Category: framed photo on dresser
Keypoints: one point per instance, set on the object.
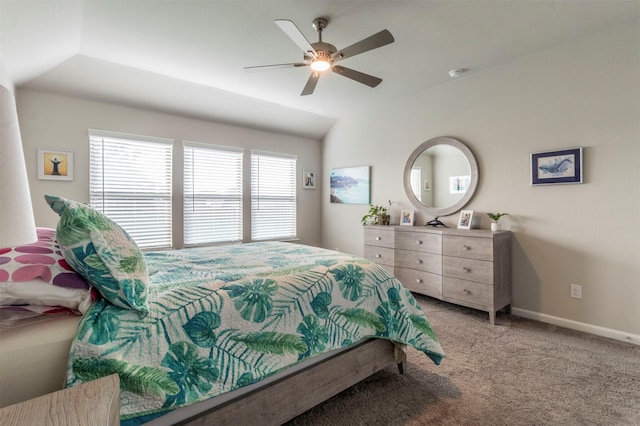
(406, 217)
(466, 219)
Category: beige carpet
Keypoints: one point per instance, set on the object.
(518, 372)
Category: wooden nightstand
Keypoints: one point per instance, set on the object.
(93, 403)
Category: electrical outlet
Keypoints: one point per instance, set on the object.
(576, 291)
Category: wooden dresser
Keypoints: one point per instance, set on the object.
(466, 267)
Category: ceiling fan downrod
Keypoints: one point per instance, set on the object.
(319, 24)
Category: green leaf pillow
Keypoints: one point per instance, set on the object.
(102, 252)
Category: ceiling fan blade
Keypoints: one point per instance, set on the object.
(296, 35)
(358, 76)
(274, 66)
(380, 39)
(311, 84)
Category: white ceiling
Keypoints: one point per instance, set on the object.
(187, 57)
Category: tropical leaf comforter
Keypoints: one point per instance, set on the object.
(225, 317)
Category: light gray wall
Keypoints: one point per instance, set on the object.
(584, 93)
(49, 120)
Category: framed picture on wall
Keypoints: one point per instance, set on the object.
(552, 167)
(308, 179)
(55, 164)
(466, 219)
(350, 185)
(406, 218)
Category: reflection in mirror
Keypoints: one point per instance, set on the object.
(441, 176)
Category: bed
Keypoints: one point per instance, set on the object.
(263, 330)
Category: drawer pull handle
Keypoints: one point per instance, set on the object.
(419, 261)
(465, 291)
(466, 269)
(418, 242)
(418, 280)
(378, 256)
(466, 247)
(378, 238)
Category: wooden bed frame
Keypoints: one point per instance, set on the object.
(289, 396)
(273, 402)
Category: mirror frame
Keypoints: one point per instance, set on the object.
(473, 184)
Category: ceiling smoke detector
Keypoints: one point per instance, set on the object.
(456, 73)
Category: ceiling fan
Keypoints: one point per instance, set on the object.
(321, 56)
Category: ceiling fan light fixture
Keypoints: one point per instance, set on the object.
(320, 65)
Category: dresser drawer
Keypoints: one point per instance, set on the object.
(467, 269)
(468, 247)
(419, 260)
(379, 255)
(431, 243)
(470, 292)
(421, 282)
(378, 236)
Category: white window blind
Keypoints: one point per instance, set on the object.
(130, 182)
(212, 194)
(273, 196)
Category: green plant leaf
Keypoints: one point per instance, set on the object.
(133, 378)
(272, 342)
(363, 318)
(200, 328)
(107, 325)
(422, 324)
(320, 304)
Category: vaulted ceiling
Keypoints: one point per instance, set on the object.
(187, 57)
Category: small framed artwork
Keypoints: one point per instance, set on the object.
(427, 185)
(308, 179)
(459, 184)
(552, 167)
(406, 218)
(466, 219)
(55, 164)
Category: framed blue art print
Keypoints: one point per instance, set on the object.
(552, 167)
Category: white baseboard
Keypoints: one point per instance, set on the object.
(579, 326)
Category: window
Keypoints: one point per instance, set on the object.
(273, 196)
(130, 181)
(416, 178)
(212, 194)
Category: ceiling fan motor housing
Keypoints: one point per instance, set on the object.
(324, 50)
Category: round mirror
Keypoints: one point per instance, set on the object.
(441, 176)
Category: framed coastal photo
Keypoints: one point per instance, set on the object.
(308, 179)
(406, 218)
(465, 220)
(55, 164)
(553, 167)
(350, 185)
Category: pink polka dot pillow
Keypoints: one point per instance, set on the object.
(37, 274)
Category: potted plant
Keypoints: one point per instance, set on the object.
(495, 217)
(377, 215)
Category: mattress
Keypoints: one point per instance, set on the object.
(33, 357)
